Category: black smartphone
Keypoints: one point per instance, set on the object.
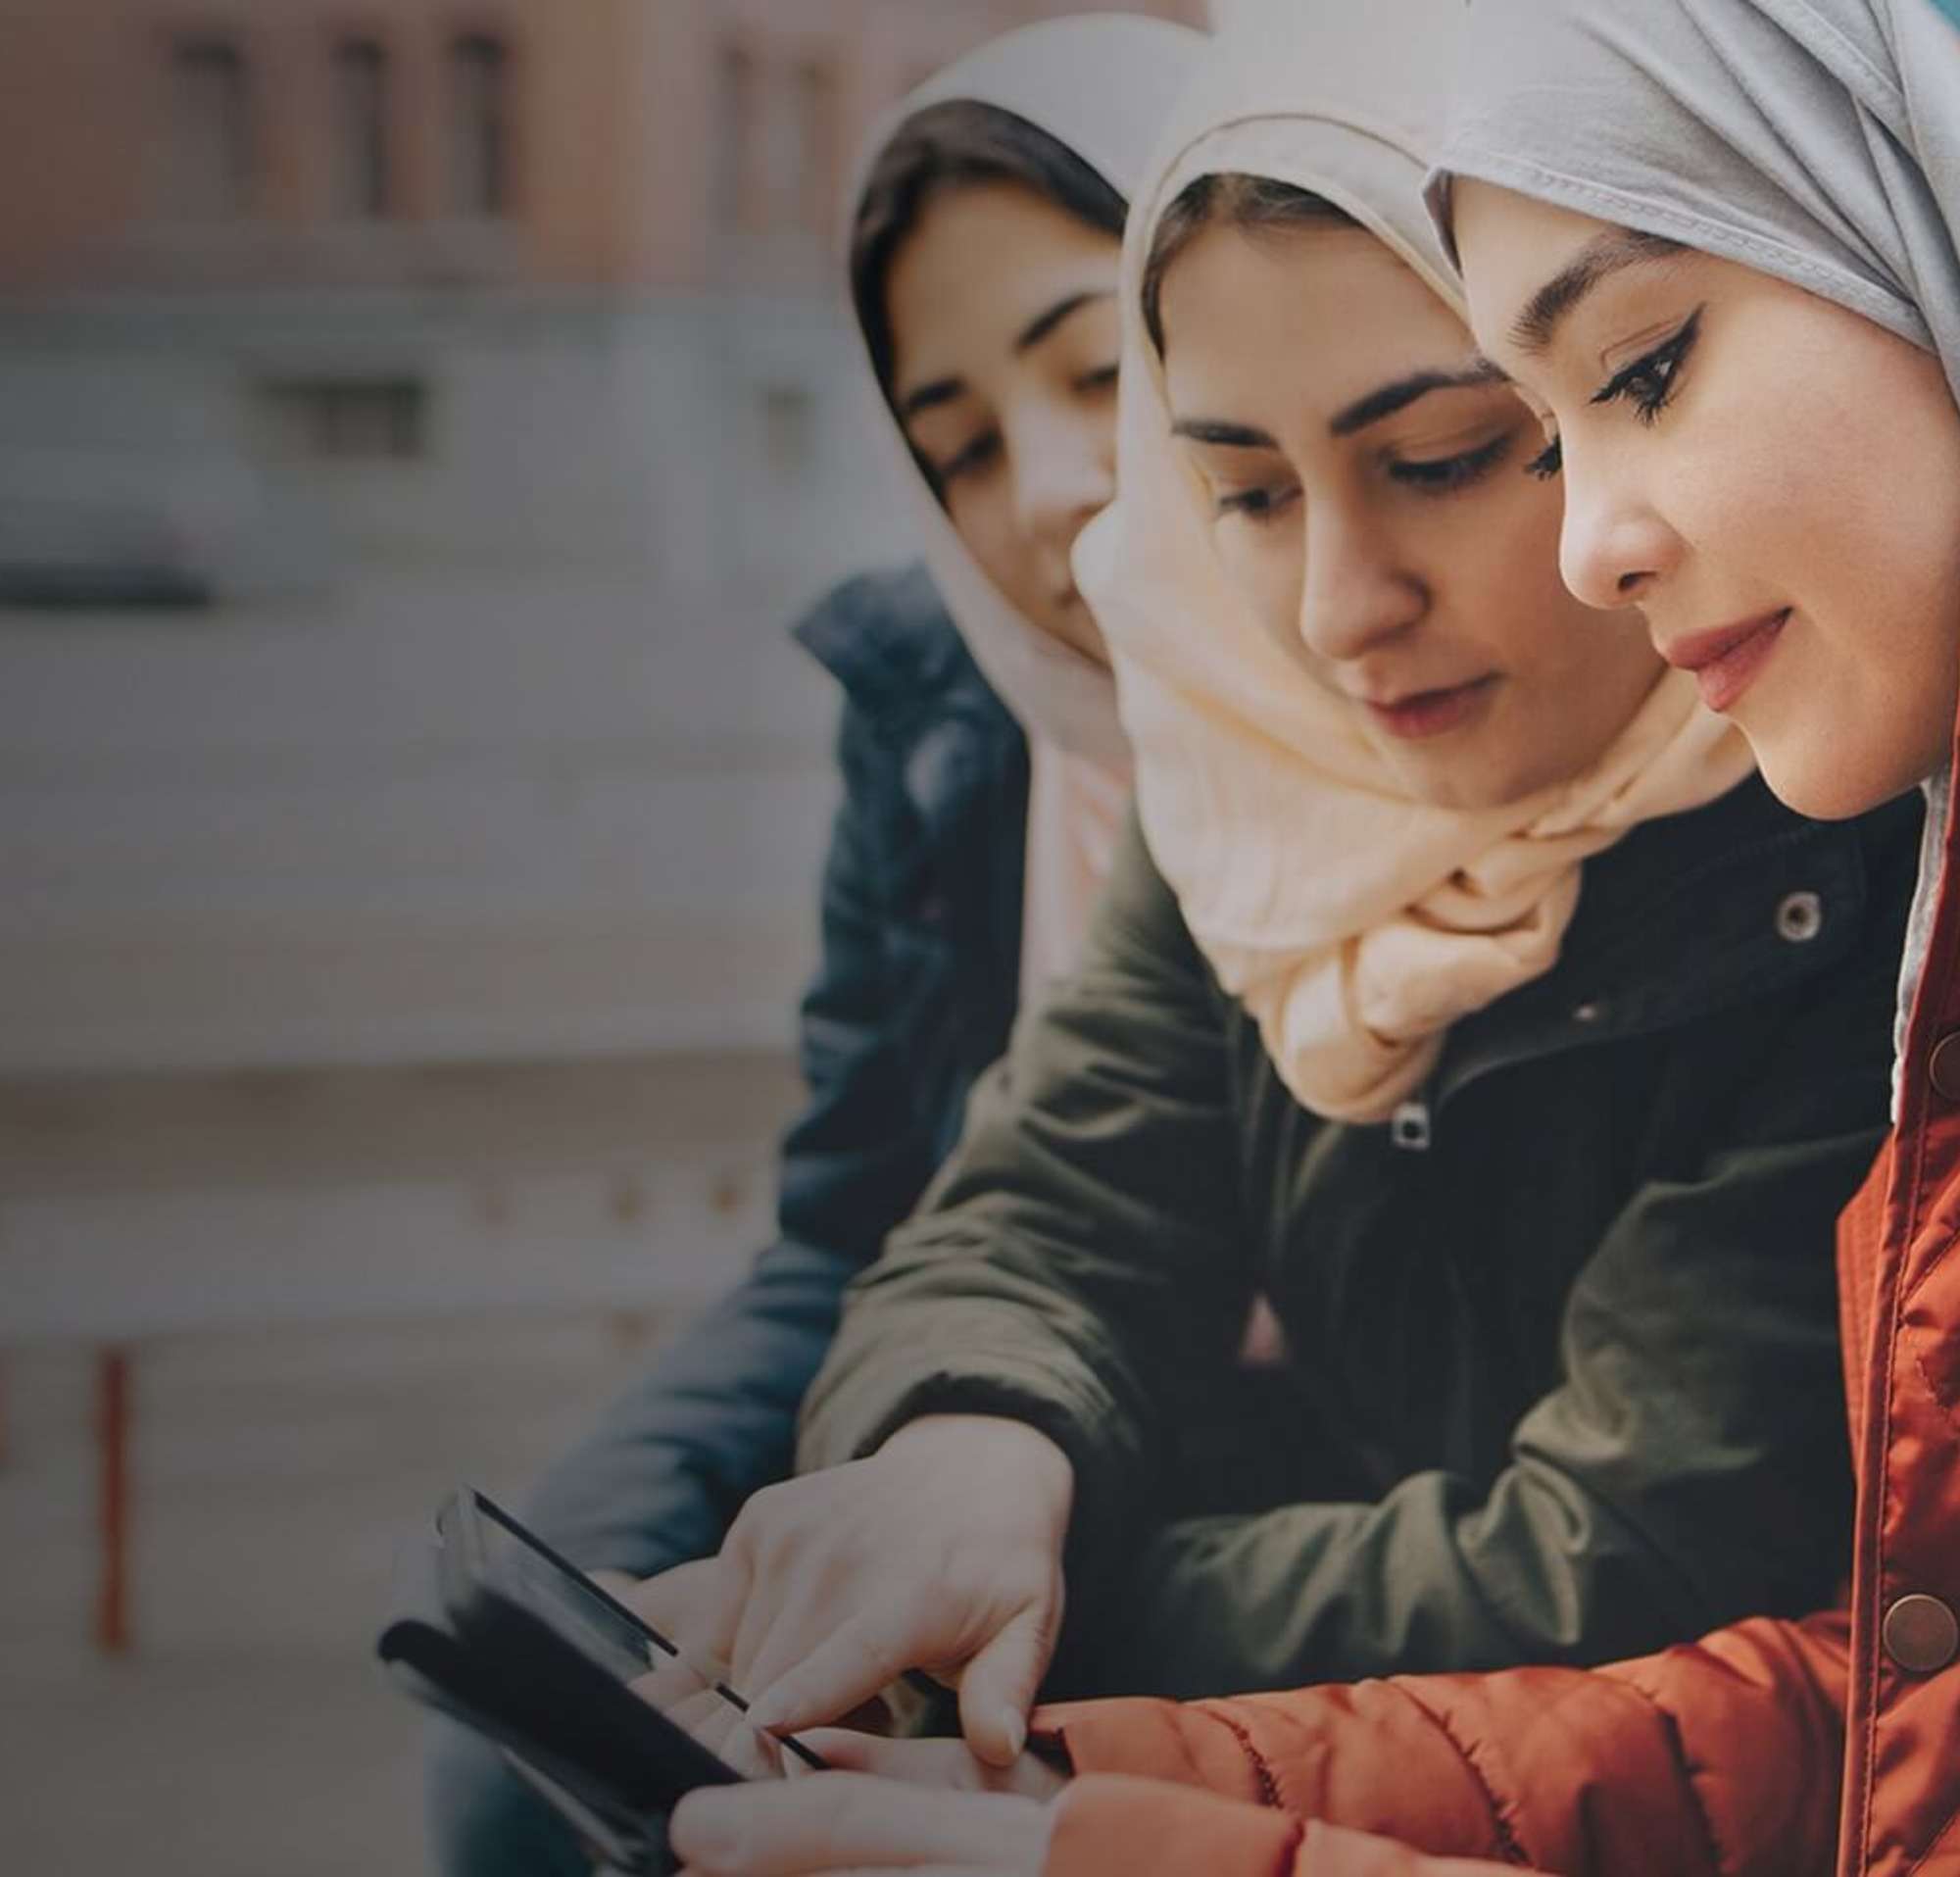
(509, 1638)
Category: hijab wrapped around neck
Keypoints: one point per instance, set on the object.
(1103, 86)
(1355, 923)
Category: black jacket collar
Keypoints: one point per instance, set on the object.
(1694, 912)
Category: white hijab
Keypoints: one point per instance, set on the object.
(1354, 922)
(1103, 86)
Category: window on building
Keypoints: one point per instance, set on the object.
(817, 143)
(778, 123)
(738, 119)
(783, 156)
(360, 113)
(479, 126)
(352, 420)
(789, 433)
(210, 131)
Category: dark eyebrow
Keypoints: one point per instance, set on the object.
(1233, 436)
(1039, 328)
(1397, 396)
(938, 391)
(1534, 329)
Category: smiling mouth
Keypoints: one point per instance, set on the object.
(1726, 660)
(1426, 713)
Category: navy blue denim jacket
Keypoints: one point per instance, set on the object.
(914, 997)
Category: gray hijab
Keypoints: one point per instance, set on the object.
(1814, 140)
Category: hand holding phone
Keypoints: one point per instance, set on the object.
(514, 1641)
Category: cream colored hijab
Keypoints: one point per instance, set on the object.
(1354, 924)
(1103, 86)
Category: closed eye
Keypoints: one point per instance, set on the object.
(1258, 505)
(1445, 475)
(976, 455)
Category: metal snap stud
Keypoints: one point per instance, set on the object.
(1800, 918)
(1919, 1634)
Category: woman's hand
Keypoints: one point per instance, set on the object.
(851, 1822)
(941, 1551)
(948, 1764)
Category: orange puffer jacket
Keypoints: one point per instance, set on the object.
(1768, 1750)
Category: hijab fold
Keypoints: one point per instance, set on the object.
(1355, 923)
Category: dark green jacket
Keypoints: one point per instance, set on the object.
(1562, 1380)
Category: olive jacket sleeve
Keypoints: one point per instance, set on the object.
(1084, 1242)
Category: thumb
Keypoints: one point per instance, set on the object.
(997, 1687)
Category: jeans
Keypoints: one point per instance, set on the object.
(484, 1821)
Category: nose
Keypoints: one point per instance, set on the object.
(1613, 545)
(1354, 590)
(1064, 465)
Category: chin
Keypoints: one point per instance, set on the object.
(1829, 788)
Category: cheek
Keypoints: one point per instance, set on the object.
(1584, 672)
(1845, 507)
(983, 517)
(1262, 567)
(1500, 555)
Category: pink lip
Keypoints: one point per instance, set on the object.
(1427, 713)
(1726, 660)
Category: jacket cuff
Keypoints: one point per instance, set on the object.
(1107, 1825)
(861, 1413)
(1156, 1740)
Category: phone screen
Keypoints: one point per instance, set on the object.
(567, 1599)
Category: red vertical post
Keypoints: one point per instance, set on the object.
(112, 1408)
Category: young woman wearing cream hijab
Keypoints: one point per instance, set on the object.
(977, 811)
(1462, 990)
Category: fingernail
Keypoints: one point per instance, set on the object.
(1017, 1731)
(766, 1712)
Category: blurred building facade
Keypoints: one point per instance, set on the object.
(423, 416)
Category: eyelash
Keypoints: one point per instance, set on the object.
(1444, 476)
(1447, 474)
(1256, 506)
(975, 456)
(1648, 383)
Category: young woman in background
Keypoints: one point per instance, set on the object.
(983, 771)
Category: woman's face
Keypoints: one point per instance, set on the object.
(1005, 333)
(1365, 477)
(1772, 479)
